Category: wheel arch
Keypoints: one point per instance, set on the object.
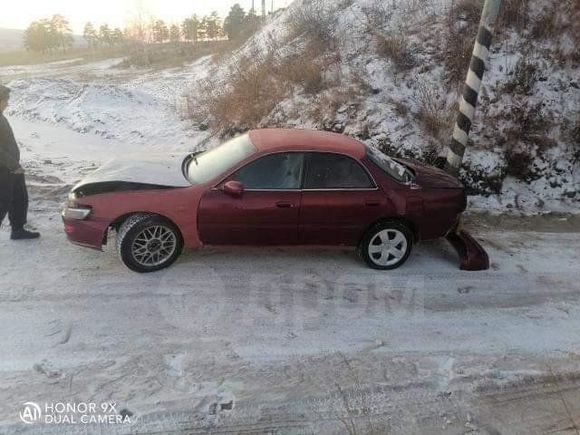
(117, 222)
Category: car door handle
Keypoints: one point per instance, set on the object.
(372, 203)
(284, 204)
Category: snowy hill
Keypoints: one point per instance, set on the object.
(390, 74)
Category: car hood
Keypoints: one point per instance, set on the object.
(429, 176)
(158, 170)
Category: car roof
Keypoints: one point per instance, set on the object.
(280, 139)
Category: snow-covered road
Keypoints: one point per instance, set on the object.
(295, 339)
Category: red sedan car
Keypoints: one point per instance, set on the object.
(268, 187)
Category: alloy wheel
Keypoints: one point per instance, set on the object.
(154, 245)
(387, 247)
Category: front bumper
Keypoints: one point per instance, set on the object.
(88, 233)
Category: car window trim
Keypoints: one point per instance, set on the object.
(303, 175)
(334, 189)
(272, 190)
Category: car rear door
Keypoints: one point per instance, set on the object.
(339, 200)
(267, 211)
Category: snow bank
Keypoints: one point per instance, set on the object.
(128, 107)
(105, 110)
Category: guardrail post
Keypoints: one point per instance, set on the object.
(472, 86)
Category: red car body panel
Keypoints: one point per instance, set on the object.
(89, 233)
(206, 215)
(278, 140)
(257, 218)
(338, 217)
(179, 205)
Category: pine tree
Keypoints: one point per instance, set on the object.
(251, 23)
(46, 35)
(61, 32)
(234, 22)
(190, 29)
(174, 33)
(160, 31)
(105, 35)
(90, 35)
(213, 26)
(202, 29)
(117, 37)
(36, 37)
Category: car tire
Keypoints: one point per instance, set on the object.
(147, 243)
(386, 245)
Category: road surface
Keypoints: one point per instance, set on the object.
(296, 342)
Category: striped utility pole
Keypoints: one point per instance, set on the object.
(263, 8)
(468, 100)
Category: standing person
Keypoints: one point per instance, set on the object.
(13, 193)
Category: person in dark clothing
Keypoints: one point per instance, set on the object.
(13, 193)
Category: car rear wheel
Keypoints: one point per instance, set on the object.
(387, 245)
(147, 243)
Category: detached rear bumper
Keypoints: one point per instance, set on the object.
(88, 233)
(472, 256)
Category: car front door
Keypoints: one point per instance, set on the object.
(339, 200)
(265, 213)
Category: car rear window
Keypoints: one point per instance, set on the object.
(395, 169)
(335, 171)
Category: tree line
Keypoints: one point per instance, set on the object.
(208, 28)
(52, 34)
(48, 34)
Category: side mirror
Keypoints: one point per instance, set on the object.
(233, 188)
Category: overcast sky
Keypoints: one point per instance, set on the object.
(20, 13)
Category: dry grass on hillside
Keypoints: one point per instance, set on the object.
(256, 84)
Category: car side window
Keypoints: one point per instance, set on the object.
(335, 171)
(276, 171)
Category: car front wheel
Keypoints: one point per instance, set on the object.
(147, 243)
(387, 245)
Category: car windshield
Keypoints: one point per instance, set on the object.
(212, 163)
(393, 168)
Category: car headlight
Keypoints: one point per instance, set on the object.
(77, 213)
(72, 210)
